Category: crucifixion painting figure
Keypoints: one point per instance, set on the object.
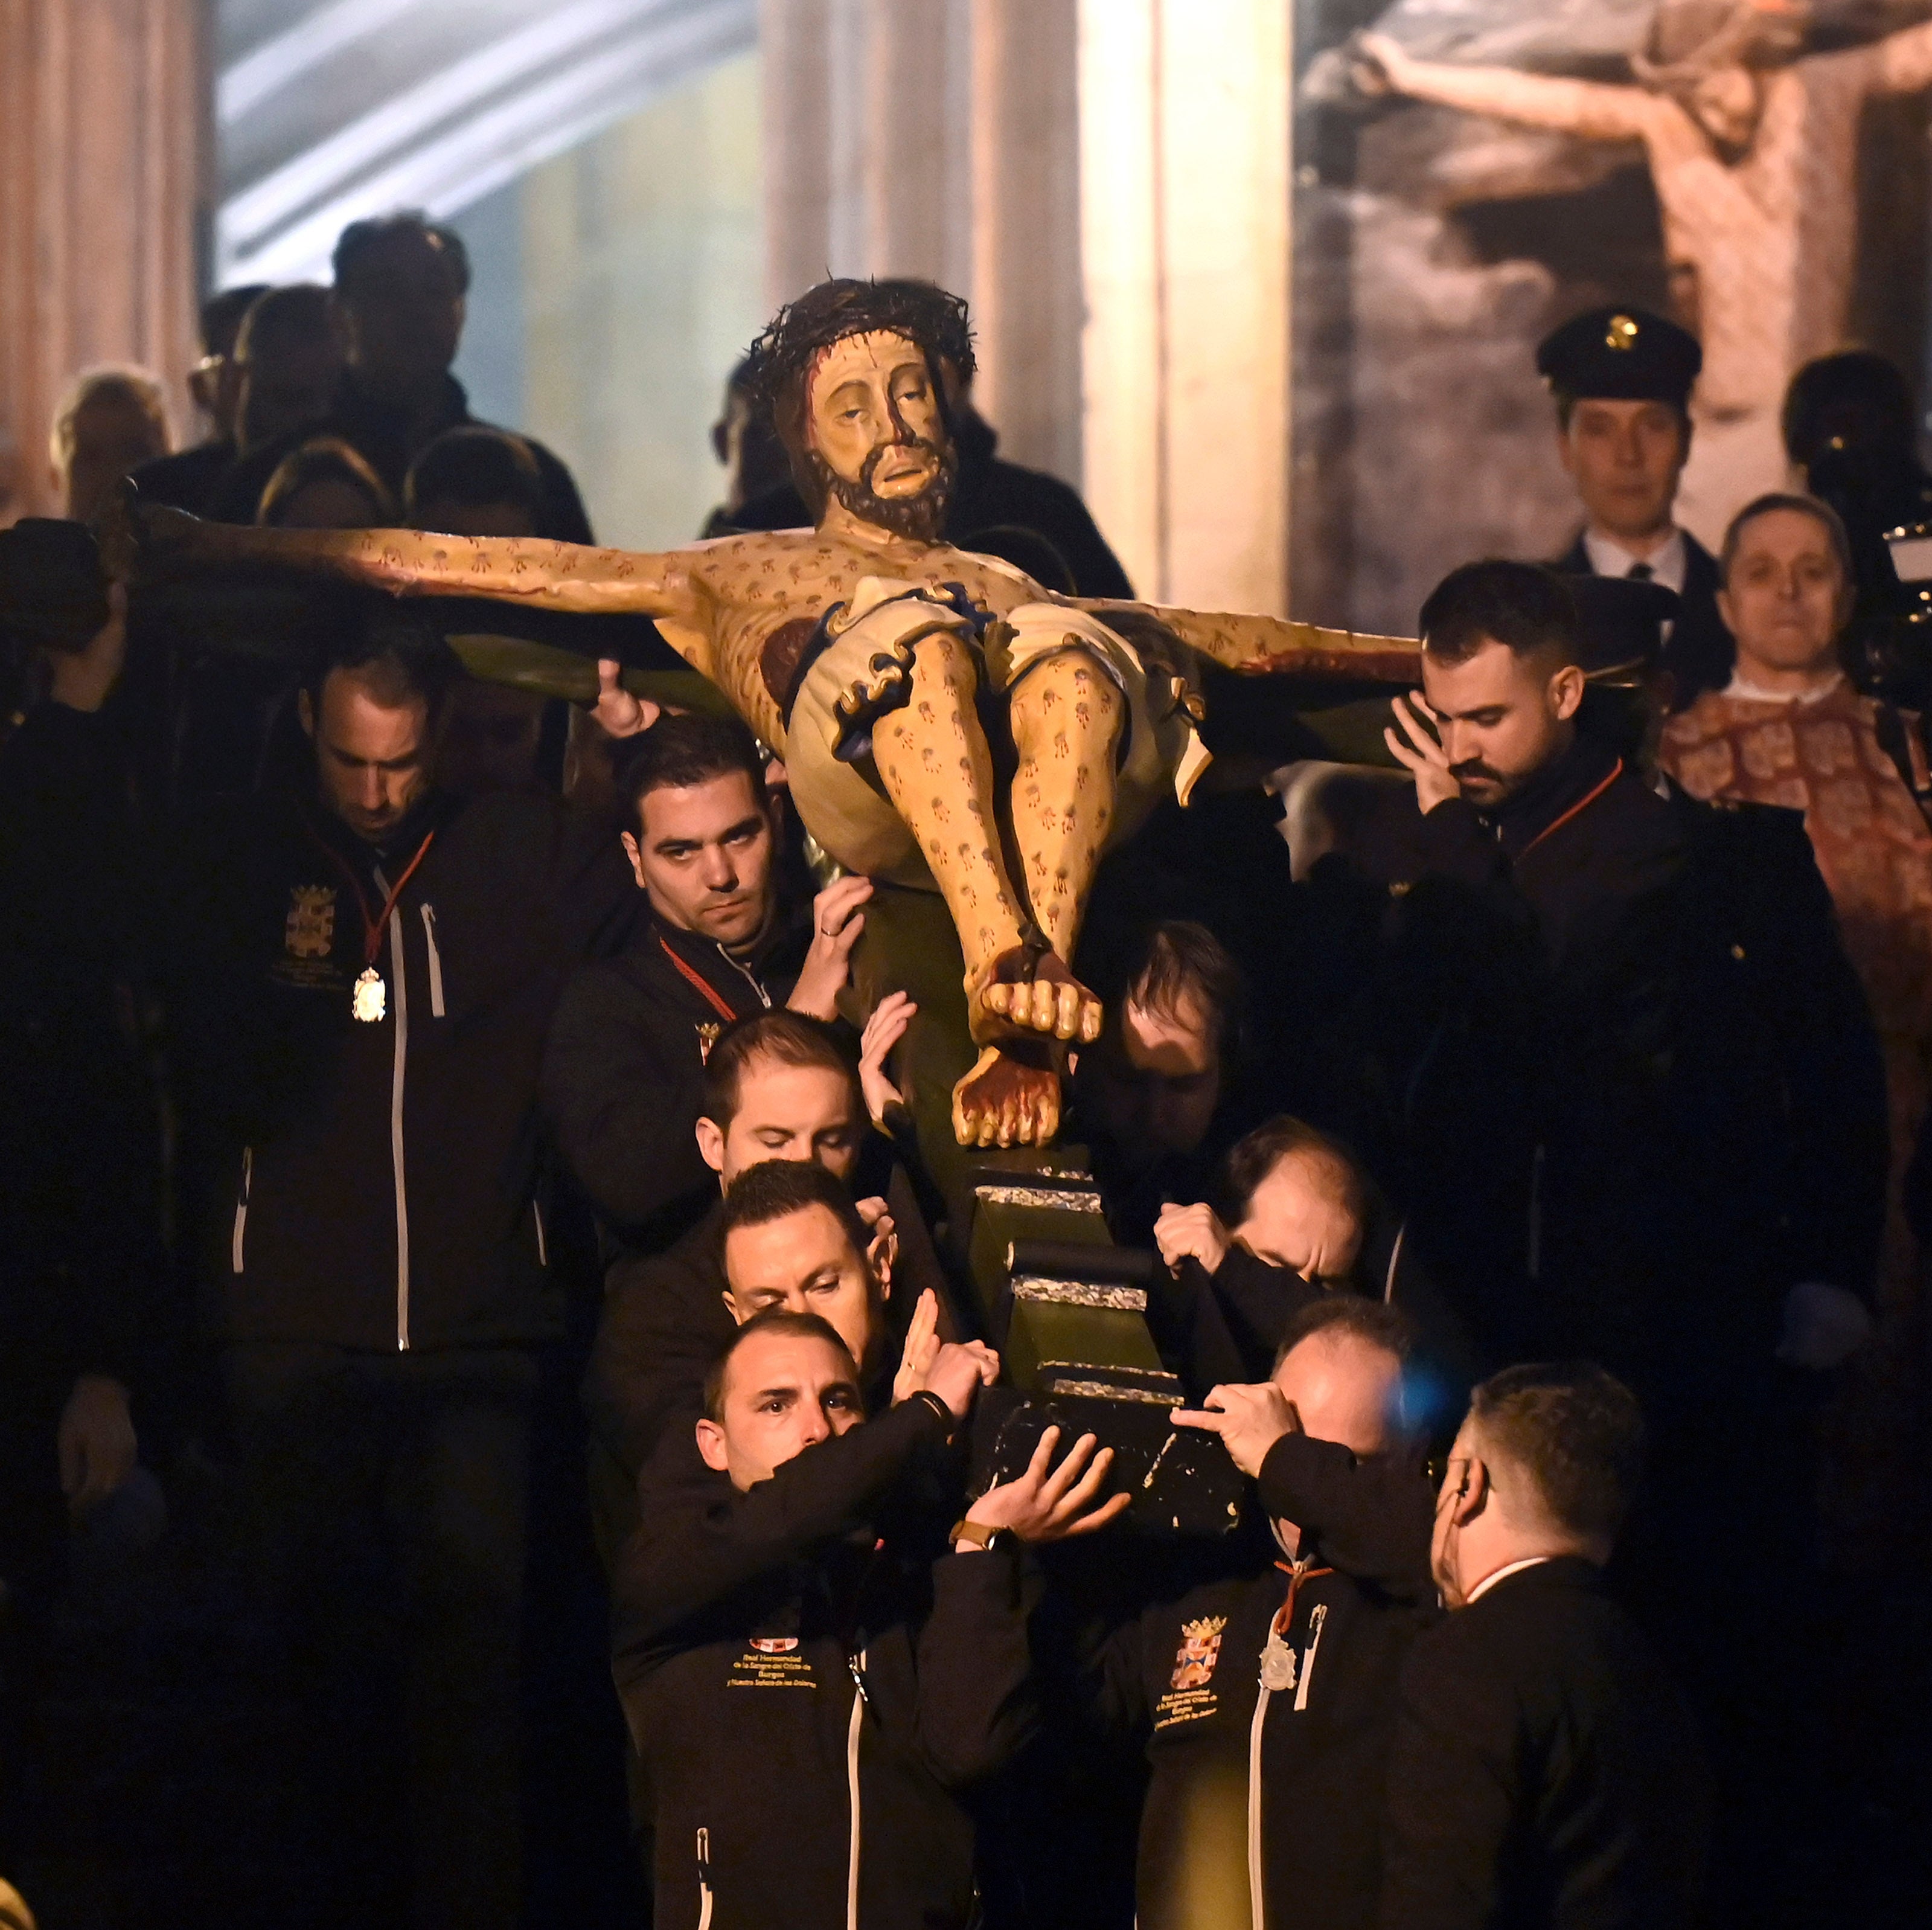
(1754, 154)
(887, 668)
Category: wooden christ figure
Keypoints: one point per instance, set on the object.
(871, 656)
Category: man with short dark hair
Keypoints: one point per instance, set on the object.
(1545, 1769)
(474, 481)
(288, 366)
(1265, 1699)
(1621, 378)
(362, 978)
(780, 1086)
(189, 478)
(401, 284)
(624, 1073)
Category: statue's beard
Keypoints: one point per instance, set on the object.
(916, 517)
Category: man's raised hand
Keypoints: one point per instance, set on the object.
(1249, 1419)
(883, 1031)
(1422, 755)
(1040, 1505)
(836, 922)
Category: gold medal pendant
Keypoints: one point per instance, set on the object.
(371, 999)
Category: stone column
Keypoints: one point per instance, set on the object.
(1186, 237)
(1026, 296)
(104, 207)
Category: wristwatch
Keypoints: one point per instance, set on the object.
(979, 1533)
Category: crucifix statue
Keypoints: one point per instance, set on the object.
(1752, 146)
(892, 672)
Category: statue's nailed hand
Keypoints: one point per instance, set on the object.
(620, 712)
(1377, 64)
(136, 539)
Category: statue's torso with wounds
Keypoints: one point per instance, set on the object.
(859, 652)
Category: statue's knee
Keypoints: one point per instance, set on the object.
(942, 658)
(1069, 680)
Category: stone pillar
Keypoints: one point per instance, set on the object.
(936, 138)
(1026, 296)
(1185, 237)
(104, 205)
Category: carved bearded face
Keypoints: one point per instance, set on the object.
(877, 433)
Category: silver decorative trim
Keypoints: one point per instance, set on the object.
(1104, 1390)
(1080, 1293)
(1065, 1200)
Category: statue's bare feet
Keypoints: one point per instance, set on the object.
(1024, 993)
(1004, 1102)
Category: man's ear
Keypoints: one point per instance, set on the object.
(879, 1257)
(305, 710)
(1566, 691)
(711, 1146)
(711, 1445)
(738, 1320)
(1473, 1494)
(636, 856)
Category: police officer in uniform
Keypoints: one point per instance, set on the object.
(1621, 379)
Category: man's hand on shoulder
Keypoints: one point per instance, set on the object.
(1249, 1419)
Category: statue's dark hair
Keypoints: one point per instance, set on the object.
(919, 310)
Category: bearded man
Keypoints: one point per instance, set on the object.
(875, 659)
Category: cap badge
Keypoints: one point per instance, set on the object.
(1621, 333)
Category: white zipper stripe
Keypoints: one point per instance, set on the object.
(398, 970)
(543, 1245)
(236, 1248)
(1257, 1894)
(852, 1787)
(1318, 1620)
(435, 1010)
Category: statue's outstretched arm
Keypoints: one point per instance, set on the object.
(1904, 60)
(1275, 643)
(1583, 107)
(411, 563)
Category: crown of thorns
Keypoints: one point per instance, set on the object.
(926, 315)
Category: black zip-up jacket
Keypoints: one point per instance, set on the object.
(1280, 1784)
(623, 1074)
(1545, 1771)
(811, 1703)
(375, 1185)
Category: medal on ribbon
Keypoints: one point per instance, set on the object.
(369, 1001)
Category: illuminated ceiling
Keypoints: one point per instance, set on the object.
(327, 110)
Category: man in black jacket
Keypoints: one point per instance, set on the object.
(778, 1086)
(1621, 380)
(624, 1071)
(400, 285)
(1266, 1699)
(1545, 1769)
(814, 1693)
(362, 977)
(1637, 1077)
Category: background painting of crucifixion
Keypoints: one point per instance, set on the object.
(1434, 247)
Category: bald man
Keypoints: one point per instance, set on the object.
(1265, 1701)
